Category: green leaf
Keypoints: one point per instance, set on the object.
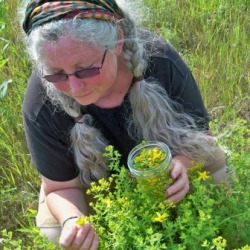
(4, 88)
(3, 62)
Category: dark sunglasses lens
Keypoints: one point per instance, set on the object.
(86, 73)
(56, 78)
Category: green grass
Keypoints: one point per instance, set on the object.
(212, 36)
(18, 179)
(214, 39)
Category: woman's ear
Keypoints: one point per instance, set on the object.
(119, 45)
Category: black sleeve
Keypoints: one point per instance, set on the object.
(50, 155)
(188, 95)
(171, 71)
(47, 134)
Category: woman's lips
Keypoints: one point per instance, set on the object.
(81, 96)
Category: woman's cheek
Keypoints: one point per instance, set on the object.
(62, 87)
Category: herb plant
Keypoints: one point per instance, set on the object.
(208, 217)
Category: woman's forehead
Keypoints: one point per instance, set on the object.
(68, 52)
(68, 46)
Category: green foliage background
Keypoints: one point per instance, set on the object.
(212, 36)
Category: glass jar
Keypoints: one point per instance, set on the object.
(149, 163)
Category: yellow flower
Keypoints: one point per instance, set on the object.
(149, 158)
(160, 217)
(82, 220)
(108, 202)
(203, 175)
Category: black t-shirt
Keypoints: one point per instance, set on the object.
(48, 129)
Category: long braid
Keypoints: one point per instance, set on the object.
(133, 51)
(153, 113)
(89, 147)
(87, 142)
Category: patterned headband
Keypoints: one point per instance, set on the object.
(39, 12)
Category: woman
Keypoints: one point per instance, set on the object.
(99, 81)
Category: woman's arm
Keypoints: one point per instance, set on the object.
(66, 200)
(217, 166)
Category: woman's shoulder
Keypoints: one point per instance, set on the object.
(156, 45)
(34, 98)
(159, 48)
(162, 56)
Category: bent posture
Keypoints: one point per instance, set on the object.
(99, 80)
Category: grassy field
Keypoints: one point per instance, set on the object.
(212, 36)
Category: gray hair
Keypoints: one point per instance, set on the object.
(153, 114)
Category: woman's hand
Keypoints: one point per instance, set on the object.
(78, 237)
(178, 190)
(66, 201)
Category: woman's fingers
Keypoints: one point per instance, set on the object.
(179, 195)
(67, 236)
(180, 188)
(80, 238)
(177, 169)
(95, 243)
(86, 236)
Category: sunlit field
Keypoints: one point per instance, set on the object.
(213, 38)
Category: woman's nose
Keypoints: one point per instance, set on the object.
(75, 83)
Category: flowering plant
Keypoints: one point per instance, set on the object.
(210, 217)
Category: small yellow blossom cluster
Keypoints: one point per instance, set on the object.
(82, 220)
(149, 158)
(218, 243)
(163, 215)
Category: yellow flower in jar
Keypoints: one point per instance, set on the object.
(149, 158)
(153, 180)
(138, 158)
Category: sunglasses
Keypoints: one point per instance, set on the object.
(81, 74)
